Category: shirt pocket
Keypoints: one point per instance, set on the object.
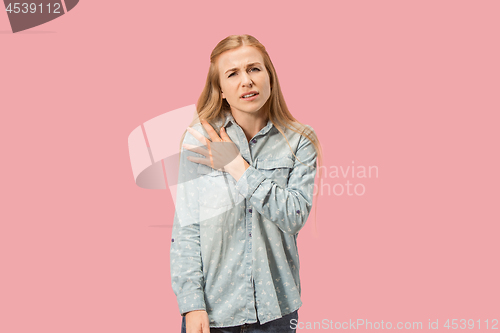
(214, 194)
(277, 170)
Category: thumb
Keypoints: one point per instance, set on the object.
(206, 327)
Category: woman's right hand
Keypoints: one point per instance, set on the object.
(197, 322)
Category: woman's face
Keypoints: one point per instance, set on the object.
(242, 72)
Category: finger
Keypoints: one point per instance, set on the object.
(198, 136)
(224, 135)
(211, 132)
(196, 149)
(199, 160)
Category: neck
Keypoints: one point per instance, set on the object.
(251, 123)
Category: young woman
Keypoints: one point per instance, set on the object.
(246, 181)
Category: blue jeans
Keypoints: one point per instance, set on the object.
(280, 325)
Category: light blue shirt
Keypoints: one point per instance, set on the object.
(234, 244)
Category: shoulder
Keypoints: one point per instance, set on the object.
(309, 132)
(308, 138)
(190, 139)
(302, 130)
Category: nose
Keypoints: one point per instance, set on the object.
(246, 80)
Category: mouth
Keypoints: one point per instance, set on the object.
(249, 95)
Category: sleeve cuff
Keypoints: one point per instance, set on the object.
(249, 181)
(190, 302)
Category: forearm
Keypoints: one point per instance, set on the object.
(284, 198)
(287, 207)
(186, 267)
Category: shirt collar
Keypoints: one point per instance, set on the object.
(263, 131)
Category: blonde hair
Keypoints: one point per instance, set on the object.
(212, 106)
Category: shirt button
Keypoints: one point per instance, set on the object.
(250, 210)
(172, 240)
(250, 234)
(298, 211)
(254, 140)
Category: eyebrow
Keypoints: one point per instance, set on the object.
(249, 65)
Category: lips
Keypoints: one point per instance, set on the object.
(249, 93)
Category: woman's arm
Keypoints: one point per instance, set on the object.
(185, 252)
(288, 207)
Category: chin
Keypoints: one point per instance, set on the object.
(247, 108)
(253, 109)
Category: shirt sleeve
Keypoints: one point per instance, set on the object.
(186, 269)
(288, 207)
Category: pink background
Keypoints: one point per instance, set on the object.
(409, 87)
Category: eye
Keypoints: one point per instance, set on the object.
(232, 74)
(255, 68)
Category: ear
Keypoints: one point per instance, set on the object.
(223, 97)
